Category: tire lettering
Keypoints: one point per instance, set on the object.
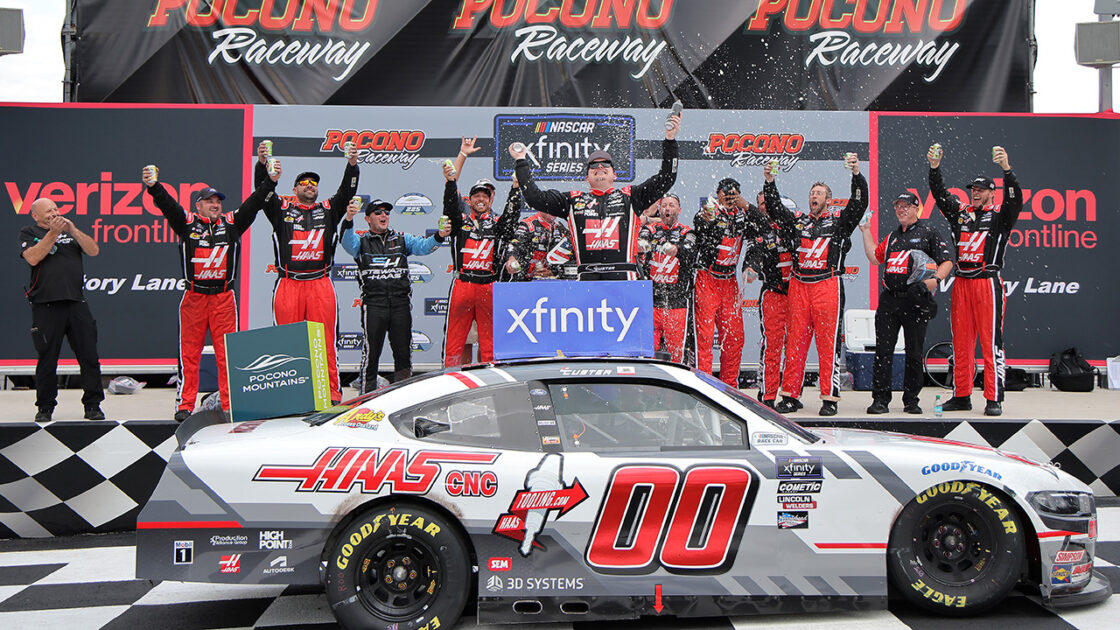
(645, 522)
(405, 519)
(950, 601)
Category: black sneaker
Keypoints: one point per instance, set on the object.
(828, 408)
(957, 403)
(878, 407)
(788, 405)
(913, 408)
(93, 412)
(993, 408)
(44, 414)
(182, 415)
(769, 403)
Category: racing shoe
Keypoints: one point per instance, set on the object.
(788, 405)
(182, 415)
(957, 403)
(993, 408)
(44, 414)
(912, 408)
(769, 403)
(93, 412)
(828, 408)
(878, 407)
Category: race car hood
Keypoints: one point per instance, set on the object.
(250, 430)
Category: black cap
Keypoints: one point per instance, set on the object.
(982, 182)
(306, 175)
(209, 192)
(377, 203)
(599, 156)
(908, 197)
(483, 184)
(727, 183)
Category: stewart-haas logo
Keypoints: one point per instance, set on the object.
(900, 34)
(544, 491)
(749, 149)
(244, 43)
(377, 146)
(543, 33)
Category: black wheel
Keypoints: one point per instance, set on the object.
(956, 549)
(400, 566)
(939, 354)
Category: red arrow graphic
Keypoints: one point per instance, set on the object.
(657, 599)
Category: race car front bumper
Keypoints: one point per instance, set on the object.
(1097, 590)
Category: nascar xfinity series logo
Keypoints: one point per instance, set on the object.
(559, 144)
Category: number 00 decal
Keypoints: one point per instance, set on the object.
(650, 517)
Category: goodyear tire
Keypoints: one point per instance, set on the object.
(956, 549)
(401, 566)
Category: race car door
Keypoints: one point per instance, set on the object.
(669, 493)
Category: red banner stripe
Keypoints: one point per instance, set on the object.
(187, 524)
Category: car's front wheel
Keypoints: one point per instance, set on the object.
(398, 566)
(956, 549)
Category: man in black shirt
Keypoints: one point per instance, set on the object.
(906, 299)
(54, 247)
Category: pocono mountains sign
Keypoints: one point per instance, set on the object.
(811, 54)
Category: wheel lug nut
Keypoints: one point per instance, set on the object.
(936, 542)
(412, 575)
(401, 586)
(406, 561)
(390, 564)
(960, 547)
(941, 530)
(388, 579)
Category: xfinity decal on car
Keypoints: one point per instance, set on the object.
(798, 467)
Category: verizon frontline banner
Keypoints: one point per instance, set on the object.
(1061, 257)
(908, 55)
(88, 161)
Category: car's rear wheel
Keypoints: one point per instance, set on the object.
(401, 566)
(956, 549)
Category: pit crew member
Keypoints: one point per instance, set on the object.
(668, 260)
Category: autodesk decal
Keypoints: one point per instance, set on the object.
(576, 318)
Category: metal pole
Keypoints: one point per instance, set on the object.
(1105, 77)
(68, 34)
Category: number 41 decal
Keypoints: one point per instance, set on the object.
(650, 517)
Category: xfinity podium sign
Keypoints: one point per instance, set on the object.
(537, 319)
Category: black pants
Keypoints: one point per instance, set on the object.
(912, 313)
(377, 321)
(51, 322)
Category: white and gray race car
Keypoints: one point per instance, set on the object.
(586, 489)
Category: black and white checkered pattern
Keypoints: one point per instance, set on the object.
(67, 478)
(78, 477)
(87, 582)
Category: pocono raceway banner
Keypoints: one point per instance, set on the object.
(900, 55)
(88, 160)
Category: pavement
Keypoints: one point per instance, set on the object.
(158, 403)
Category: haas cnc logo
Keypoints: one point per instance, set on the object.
(602, 233)
(210, 263)
(307, 245)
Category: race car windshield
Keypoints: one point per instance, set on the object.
(759, 409)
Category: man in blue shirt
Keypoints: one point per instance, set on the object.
(382, 257)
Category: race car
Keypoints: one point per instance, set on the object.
(595, 489)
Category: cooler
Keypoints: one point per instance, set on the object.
(859, 350)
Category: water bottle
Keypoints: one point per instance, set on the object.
(937, 406)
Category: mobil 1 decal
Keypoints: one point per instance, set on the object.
(1058, 261)
(544, 492)
(656, 516)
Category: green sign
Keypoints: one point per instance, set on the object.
(277, 371)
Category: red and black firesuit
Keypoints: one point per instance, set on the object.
(475, 242)
(304, 239)
(770, 254)
(815, 294)
(533, 238)
(976, 307)
(672, 281)
(209, 251)
(605, 223)
(719, 244)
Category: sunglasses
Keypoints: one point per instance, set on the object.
(379, 211)
(729, 190)
(308, 182)
(599, 165)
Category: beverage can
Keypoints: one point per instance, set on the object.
(994, 152)
(155, 172)
(451, 165)
(358, 200)
(514, 265)
(772, 167)
(847, 157)
(936, 151)
(677, 108)
(518, 147)
(267, 147)
(270, 164)
(443, 223)
(349, 146)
